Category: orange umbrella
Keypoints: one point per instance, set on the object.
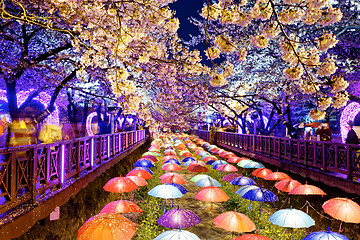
(277, 176)
(227, 168)
(252, 237)
(234, 159)
(122, 206)
(173, 179)
(262, 172)
(234, 222)
(120, 185)
(140, 173)
(139, 181)
(343, 209)
(307, 190)
(212, 194)
(171, 167)
(198, 168)
(287, 185)
(107, 226)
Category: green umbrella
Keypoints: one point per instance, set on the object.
(155, 154)
(244, 162)
(198, 177)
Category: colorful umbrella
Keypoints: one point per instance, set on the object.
(171, 167)
(155, 154)
(212, 194)
(188, 159)
(173, 179)
(207, 182)
(325, 236)
(144, 163)
(242, 181)
(173, 161)
(198, 168)
(307, 190)
(234, 222)
(217, 165)
(120, 185)
(277, 176)
(139, 181)
(107, 226)
(187, 154)
(219, 162)
(287, 185)
(198, 177)
(167, 174)
(260, 195)
(151, 158)
(208, 158)
(227, 168)
(231, 176)
(181, 188)
(253, 165)
(165, 191)
(143, 168)
(193, 163)
(242, 163)
(210, 162)
(178, 218)
(140, 173)
(241, 191)
(177, 234)
(170, 157)
(252, 237)
(122, 206)
(343, 209)
(234, 160)
(261, 172)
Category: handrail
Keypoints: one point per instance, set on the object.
(320, 155)
(28, 171)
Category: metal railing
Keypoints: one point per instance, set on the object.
(320, 155)
(28, 171)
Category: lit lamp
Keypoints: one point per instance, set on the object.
(208, 120)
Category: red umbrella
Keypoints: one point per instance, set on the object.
(287, 185)
(139, 181)
(234, 159)
(262, 172)
(227, 168)
(208, 158)
(187, 154)
(169, 174)
(122, 206)
(140, 173)
(252, 237)
(277, 176)
(120, 185)
(231, 176)
(198, 168)
(194, 163)
(107, 226)
(307, 190)
(170, 157)
(151, 158)
(228, 155)
(212, 194)
(169, 153)
(173, 179)
(171, 167)
(234, 222)
(343, 209)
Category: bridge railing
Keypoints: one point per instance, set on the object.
(26, 172)
(321, 155)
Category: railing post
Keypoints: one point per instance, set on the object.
(92, 152)
(291, 149)
(279, 147)
(254, 143)
(336, 149)
(113, 145)
(348, 162)
(305, 153)
(77, 159)
(323, 157)
(34, 174)
(61, 164)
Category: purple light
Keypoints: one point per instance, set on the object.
(89, 127)
(62, 163)
(43, 98)
(92, 146)
(348, 114)
(108, 143)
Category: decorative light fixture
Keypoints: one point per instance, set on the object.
(348, 114)
(89, 126)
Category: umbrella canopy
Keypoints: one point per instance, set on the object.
(241, 191)
(227, 168)
(219, 162)
(261, 172)
(173, 179)
(198, 168)
(287, 185)
(169, 174)
(144, 163)
(343, 209)
(107, 226)
(170, 157)
(207, 182)
(177, 234)
(122, 206)
(198, 177)
(234, 160)
(234, 222)
(169, 152)
(231, 176)
(307, 190)
(325, 236)
(210, 162)
(181, 188)
(139, 181)
(188, 159)
(193, 163)
(277, 176)
(165, 191)
(171, 167)
(140, 173)
(120, 185)
(252, 237)
(143, 168)
(173, 161)
(178, 218)
(155, 154)
(260, 195)
(291, 218)
(254, 165)
(208, 158)
(212, 194)
(242, 163)
(242, 181)
(151, 158)
(217, 165)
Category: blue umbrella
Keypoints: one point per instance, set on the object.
(210, 162)
(204, 154)
(177, 234)
(188, 159)
(144, 168)
(181, 188)
(207, 182)
(325, 236)
(144, 163)
(173, 161)
(244, 189)
(165, 191)
(253, 165)
(291, 218)
(260, 195)
(219, 162)
(187, 163)
(217, 165)
(242, 181)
